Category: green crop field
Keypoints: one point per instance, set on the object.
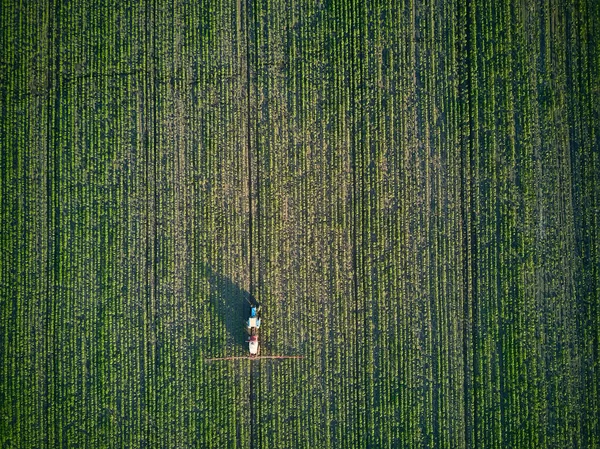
(409, 188)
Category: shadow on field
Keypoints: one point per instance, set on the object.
(231, 304)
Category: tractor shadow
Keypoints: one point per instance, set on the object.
(231, 304)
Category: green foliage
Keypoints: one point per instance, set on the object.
(409, 189)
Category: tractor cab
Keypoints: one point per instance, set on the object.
(254, 320)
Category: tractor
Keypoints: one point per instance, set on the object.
(253, 324)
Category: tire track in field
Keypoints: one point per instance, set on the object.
(470, 171)
(51, 214)
(355, 222)
(356, 143)
(150, 140)
(253, 369)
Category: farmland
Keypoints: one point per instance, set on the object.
(409, 188)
